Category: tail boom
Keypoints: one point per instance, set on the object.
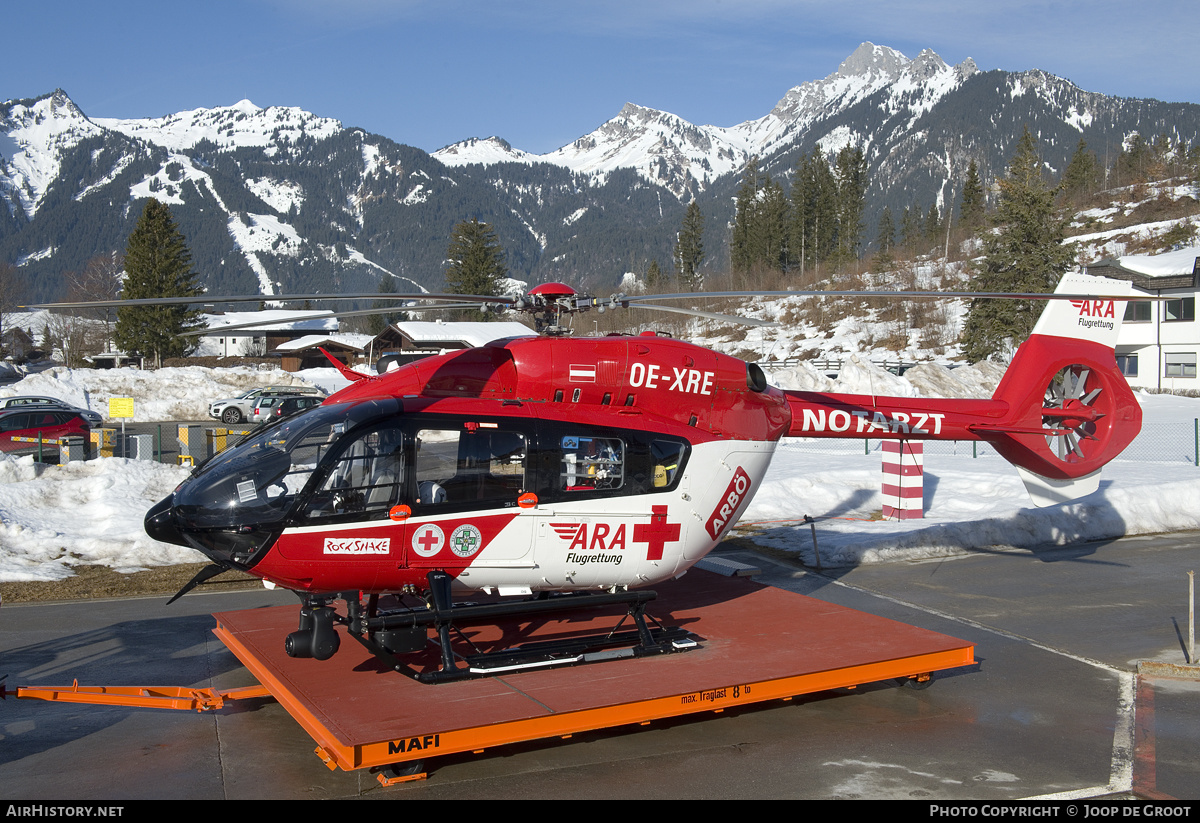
(1061, 412)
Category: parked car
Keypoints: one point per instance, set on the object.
(93, 419)
(48, 423)
(273, 407)
(288, 406)
(233, 410)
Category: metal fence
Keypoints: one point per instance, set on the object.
(1156, 443)
(1172, 443)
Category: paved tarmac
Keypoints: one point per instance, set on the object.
(1052, 707)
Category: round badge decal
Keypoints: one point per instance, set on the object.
(466, 540)
(428, 540)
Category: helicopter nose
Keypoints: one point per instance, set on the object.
(160, 522)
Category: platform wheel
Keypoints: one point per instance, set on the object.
(401, 772)
(917, 682)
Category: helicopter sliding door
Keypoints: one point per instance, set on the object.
(601, 491)
(468, 477)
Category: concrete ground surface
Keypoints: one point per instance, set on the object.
(1051, 708)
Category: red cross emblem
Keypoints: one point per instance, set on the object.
(427, 540)
(657, 533)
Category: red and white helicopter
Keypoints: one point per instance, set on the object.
(555, 464)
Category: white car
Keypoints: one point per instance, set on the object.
(30, 402)
(233, 410)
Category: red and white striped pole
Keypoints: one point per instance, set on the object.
(903, 480)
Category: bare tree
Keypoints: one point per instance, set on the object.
(75, 338)
(100, 279)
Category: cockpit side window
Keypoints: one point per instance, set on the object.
(365, 479)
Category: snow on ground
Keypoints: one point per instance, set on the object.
(971, 503)
(52, 518)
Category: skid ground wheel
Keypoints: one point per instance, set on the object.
(231, 416)
(1068, 392)
(401, 772)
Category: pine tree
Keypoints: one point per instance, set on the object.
(654, 275)
(771, 232)
(1025, 253)
(814, 211)
(933, 224)
(1134, 161)
(1082, 175)
(12, 293)
(971, 207)
(760, 228)
(689, 248)
(742, 252)
(157, 264)
(850, 172)
(885, 241)
(475, 262)
(910, 227)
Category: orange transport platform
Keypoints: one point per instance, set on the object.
(756, 643)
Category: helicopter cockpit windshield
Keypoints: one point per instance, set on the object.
(257, 482)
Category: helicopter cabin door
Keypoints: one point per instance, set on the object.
(348, 522)
(469, 477)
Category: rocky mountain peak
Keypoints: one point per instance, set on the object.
(872, 60)
(926, 65)
(966, 68)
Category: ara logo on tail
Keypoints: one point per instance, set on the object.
(1095, 308)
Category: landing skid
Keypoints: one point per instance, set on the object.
(394, 636)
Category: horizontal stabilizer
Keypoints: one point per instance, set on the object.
(1047, 491)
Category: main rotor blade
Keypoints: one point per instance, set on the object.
(632, 299)
(205, 299)
(726, 318)
(322, 315)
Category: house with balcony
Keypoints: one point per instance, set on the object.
(273, 328)
(1160, 339)
(409, 340)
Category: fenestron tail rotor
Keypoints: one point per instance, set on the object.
(1069, 414)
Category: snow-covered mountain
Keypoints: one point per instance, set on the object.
(35, 136)
(240, 125)
(278, 199)
(670, 151)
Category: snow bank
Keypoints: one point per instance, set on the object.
(159, 396)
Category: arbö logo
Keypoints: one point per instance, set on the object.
(734, 496)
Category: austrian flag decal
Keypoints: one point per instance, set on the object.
(582, 373)
(726, 511)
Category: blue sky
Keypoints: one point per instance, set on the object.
(541, 73)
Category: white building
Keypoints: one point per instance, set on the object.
(1160, 339)
(276, 326)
